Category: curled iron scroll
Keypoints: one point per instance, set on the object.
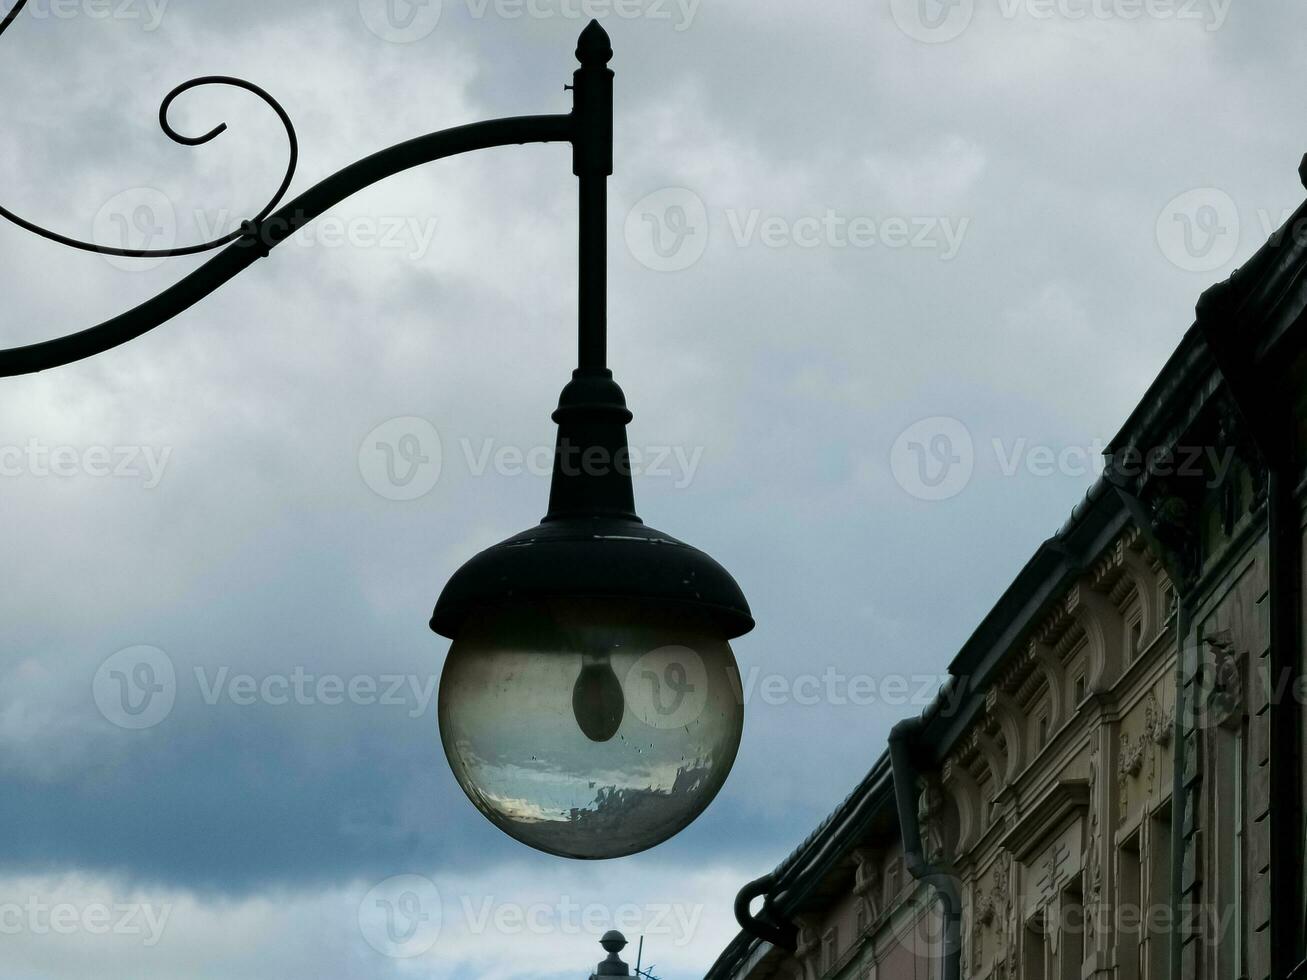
(271, 226)
(176, 137)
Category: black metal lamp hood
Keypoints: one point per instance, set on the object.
(591, 544)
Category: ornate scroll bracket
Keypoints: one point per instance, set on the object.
(248, 228)
(277, 222)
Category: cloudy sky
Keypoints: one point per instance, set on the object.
(885, 277)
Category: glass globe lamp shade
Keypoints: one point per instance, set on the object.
(590, 705)
(590, 727)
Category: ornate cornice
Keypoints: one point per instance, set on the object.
(1067, 799)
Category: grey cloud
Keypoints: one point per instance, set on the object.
(795, 369)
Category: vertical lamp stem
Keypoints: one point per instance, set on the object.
(592, 162)
(592, 464)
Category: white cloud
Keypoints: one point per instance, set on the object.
(510, 922)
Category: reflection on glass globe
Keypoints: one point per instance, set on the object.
(591, 728)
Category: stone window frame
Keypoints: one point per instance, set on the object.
(830, 949)
(1134, 636)
(1079, 688)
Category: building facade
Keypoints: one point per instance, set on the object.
(1112, 785)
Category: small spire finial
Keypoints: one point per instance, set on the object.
(613, 943)
(594, 49)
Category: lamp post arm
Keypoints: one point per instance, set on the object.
(589, 128)
(260, 237)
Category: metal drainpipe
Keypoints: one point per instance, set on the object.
(762, 926)
(1286, 827)
(944, 883)
(1179, 800)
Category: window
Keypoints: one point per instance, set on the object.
(1033, 953)
(830, 946)
(1041, 730)
(1071, 951)
(1136, 645)
(1159, 889)
(1228, 769)
(1078, 690)
(860, 917)
(1129, 910)
(1077, 674)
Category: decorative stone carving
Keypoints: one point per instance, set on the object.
(1158, 723)
(1132, 755)
(1002, 879)
(808, 946)
(1174, 527)
(1130, 762)
(1142, 750)
(1050, 665)
(978, 744)
(1103, 628)
(1225, 696)
(977, 946)
(1093, 870)
(930, 814)
(998, 902)
(867, 881)
(958, 780)
(1005, 714)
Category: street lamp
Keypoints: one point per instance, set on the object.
(590, 703)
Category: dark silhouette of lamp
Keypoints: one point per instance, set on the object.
(590, 703)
